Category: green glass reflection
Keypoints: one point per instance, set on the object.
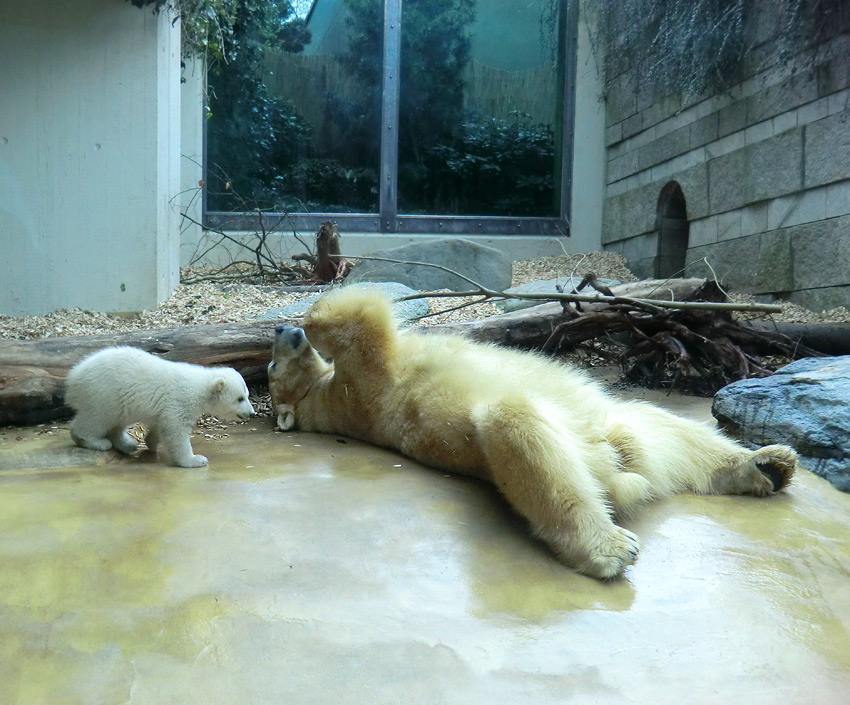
(295, 111)
(478, 107)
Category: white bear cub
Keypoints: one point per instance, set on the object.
(116, 387)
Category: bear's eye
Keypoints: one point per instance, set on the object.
(240, 400)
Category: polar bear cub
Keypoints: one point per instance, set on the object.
(114, 388)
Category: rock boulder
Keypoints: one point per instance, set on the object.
(805, 405)
(485, 265)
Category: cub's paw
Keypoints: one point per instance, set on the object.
(285, 417)
(196, 461)
(125, 443)
(612, 555)
(92, 443)
(776, 464)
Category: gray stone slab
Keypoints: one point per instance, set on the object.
(666, 147)
(828, 149)
(694, 185)
(821, 253)
(775, 270)
(632, 125)
(798, 90)
(630, 213)
(621, 101)
(775, 165)
(756, 172)
(805, 404)
(404, 310)
(485, 265)
(822, 299)
(732, 261)
(732, 118)
(834, 75)
(703, 131)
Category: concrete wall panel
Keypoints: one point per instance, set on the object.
(88, 130)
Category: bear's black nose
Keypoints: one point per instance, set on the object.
(291, 335)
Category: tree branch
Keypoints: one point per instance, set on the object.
(651, 305)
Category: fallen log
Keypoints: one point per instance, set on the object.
(32, 372)
(828, 338)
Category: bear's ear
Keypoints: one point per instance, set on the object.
(219, 385)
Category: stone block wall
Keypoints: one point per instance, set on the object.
(764, 170)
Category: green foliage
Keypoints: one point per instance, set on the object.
(493, 167)
(434, 49)
(252, 136)
(324, 184)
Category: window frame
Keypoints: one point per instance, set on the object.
(388, 220)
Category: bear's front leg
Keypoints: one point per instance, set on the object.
(539, 467)
(179, 449)
(285, 417)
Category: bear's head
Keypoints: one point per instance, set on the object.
(229, 395)
(295, 366)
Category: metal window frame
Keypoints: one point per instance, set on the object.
(388, 219)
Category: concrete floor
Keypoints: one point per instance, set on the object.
(308, 569)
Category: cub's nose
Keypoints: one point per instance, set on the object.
(290, 335)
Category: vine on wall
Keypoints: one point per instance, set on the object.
(701, 47)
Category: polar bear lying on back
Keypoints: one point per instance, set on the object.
(114, 388)
(566, 455)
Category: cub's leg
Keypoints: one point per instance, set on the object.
(89, 433)
(152, 439)
(175, 442)
(123, 442)
(540, 468)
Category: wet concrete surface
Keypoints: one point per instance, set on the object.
(299, 568)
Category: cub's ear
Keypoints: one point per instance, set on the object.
(219, 385)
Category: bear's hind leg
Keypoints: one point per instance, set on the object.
(123, 442)
(628, 492)
(88, 435)
(538, 466)
(677, 454)
(761, 472)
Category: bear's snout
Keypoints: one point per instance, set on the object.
(290, 335)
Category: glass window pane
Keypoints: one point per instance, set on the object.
(303, 136)
(479, 85)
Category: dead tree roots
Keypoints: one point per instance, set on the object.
(698, 350)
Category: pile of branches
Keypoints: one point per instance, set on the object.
(697, 347)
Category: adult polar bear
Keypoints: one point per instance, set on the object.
(566, 455)
(116, 387)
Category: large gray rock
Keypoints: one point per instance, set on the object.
(404, 310)
(805, 404)
(485, 265)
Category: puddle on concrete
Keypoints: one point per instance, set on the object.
(296, 568)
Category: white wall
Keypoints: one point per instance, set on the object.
(89, 156)
(190, 200)
(589, 156)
